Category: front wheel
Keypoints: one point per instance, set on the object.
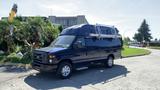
(64, 70)
(110, 62)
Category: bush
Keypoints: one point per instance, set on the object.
(34, 32)
(28, 34)
(154, 44)
(13, 58)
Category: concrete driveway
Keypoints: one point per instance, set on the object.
(136, 73)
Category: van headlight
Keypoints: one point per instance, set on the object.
(51, 58)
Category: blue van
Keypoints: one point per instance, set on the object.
(77, 48)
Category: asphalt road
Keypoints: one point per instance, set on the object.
(135, 73)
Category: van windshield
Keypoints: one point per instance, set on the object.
(63, 41)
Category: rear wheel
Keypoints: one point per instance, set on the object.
(64, 70)
(110, 62)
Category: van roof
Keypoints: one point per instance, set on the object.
(82, 25)
(83, 29)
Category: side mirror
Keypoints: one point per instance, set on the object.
(78, 44)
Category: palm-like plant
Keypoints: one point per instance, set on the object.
(32, 33)
(5, 35)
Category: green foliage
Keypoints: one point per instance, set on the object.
(5, 35)
(126, 40)
(143, 34)
(156, 44)
(13, 58)
(33, 32)
(60, 28)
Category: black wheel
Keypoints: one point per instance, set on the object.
(64, 70)
(110, 62)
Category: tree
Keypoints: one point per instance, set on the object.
(60, 28)
(155, 39)
(6, 37)
(126, 40)
(143, 34)
(34, 32)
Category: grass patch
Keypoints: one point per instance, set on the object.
(129, 52)
(155, 47)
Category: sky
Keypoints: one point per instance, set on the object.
(126, 15)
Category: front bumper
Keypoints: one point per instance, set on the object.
(44, 67)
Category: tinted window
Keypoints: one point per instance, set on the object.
(87, 29)
(107, 30)
(69, 31)
(63, 41)
(112, 31)
(104, 30)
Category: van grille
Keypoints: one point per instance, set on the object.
(39, 56)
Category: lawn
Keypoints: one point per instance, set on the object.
(155, 47)
(128, 52)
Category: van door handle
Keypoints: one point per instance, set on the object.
(114, 50)
(107, 51)
(86, 53)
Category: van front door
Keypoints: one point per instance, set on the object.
(79, 50)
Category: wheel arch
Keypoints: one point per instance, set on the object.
(111, 55)
(66, 60)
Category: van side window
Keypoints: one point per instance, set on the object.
(87, 30)
(103, 30)
(111, 31)
(106, 30)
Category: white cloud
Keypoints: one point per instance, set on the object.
(68, 7)
(65, 8)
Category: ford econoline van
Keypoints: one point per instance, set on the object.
(77, 48)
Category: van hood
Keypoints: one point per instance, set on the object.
(51, 49)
